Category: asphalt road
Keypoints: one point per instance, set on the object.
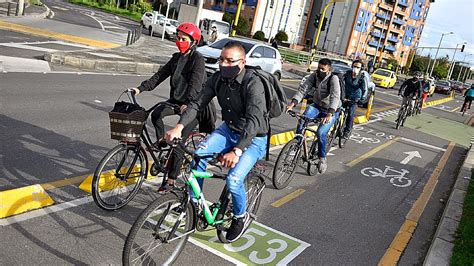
(55, 126)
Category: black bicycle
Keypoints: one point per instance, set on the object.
(290, 156)
(403, 113)
(121, 172)
(341, 123)
(161, 231)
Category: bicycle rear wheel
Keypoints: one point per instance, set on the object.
(254, 186)
(151, 240)
(311, 166)
(286, 163)
(118, 176)
(340, 133)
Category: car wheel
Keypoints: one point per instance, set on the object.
(277, 75)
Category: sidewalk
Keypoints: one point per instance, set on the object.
(441, 248)
(30, 10)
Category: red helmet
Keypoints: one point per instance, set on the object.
(191, 30)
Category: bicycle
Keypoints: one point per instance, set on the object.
(344, 111)
(403, 113)
(121, 172)
(162, 229)
(290, 155)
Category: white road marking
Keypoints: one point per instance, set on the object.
(422, 144)
(28, 47)
(97, 101)
(98, 21)
(411, 155)
(60, 8)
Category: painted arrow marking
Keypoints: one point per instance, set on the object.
(411, 155)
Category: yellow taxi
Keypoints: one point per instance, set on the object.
(384, 78)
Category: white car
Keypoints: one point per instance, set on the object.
(157, 28)
(258, 54)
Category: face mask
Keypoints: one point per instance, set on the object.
(229, 72)
(356, 70)
(321, 75)
(183, 46)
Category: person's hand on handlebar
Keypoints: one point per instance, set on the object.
(290, 106)
(135, 91)
(327, 118)
(230, 159)
(183, 108)
(174, 133)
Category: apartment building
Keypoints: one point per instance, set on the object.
(385, 29)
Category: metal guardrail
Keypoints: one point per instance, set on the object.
(134, 35)
(303, 58)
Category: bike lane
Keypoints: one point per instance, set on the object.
(353, 213)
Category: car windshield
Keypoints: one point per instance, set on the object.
(220, 44)
(338, 68)
(174, 23)
(442, 83)
(383, 73)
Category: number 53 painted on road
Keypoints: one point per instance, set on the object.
(259, 245)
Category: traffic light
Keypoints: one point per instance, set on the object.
(316, 20)
(323, 28)
(462, 48)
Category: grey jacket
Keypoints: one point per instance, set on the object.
(329, 99)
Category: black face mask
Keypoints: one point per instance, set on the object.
(229, 72)
(321, 75)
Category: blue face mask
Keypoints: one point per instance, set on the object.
(229, 72)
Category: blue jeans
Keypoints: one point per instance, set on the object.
(350, 117)
(313, 112)
(223, 140)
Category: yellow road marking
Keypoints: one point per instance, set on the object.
(372, 152)
(64, 182)
(455, 109)
(401, 240)
(293, 195)
(56, 35)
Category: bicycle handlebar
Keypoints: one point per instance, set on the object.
(131, 94)
(300, 116)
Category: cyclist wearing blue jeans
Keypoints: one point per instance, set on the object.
(355, 89)
(242, 138)
(326, 102)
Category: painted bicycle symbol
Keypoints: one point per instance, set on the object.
(356, 137)
(397, 178)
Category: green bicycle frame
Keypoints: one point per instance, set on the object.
(193, 183)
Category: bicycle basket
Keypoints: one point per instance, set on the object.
(127, 121)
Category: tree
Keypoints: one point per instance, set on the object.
(281, 36)
(242, 27)
(259, 35)
(418, 64)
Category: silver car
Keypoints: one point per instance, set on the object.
(257, 54)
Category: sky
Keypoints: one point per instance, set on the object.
(445, 16)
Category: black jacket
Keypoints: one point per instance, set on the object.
(194, 73)
(411, 88)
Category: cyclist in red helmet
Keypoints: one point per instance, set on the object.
(187, 75)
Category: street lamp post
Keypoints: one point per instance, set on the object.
(464, 60)
(437, 50)
(320, 25)
(451, 67)
(237, 15)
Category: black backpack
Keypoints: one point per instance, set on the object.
(342, 84)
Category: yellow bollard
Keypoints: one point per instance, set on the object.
(369, 106)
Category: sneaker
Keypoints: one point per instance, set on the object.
(322, 165)
(236, 229)
(346, 135)
(165, 188)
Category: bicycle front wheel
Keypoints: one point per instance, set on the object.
(254, 186)
(340, 133)
(400, 118)
(118, 176)
(286, 163)
(152, 239)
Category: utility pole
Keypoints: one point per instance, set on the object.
(437, 50)
(199, 11)
(451, 67)
(236, 20)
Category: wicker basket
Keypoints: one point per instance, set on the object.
(127, 126)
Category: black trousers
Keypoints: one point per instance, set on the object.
(157, 119)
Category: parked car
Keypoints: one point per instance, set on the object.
(384, 78)
(257, 54)
(443, 86)
(157, 28)
(458, 86)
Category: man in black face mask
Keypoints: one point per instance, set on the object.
(326, 101)
(242, 137)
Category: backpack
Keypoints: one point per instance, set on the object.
(275, 96)
(341, 85)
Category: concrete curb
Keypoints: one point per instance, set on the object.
(441, 248)
(41, 15)
(102, 65)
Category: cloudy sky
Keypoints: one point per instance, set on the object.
(446, 16)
